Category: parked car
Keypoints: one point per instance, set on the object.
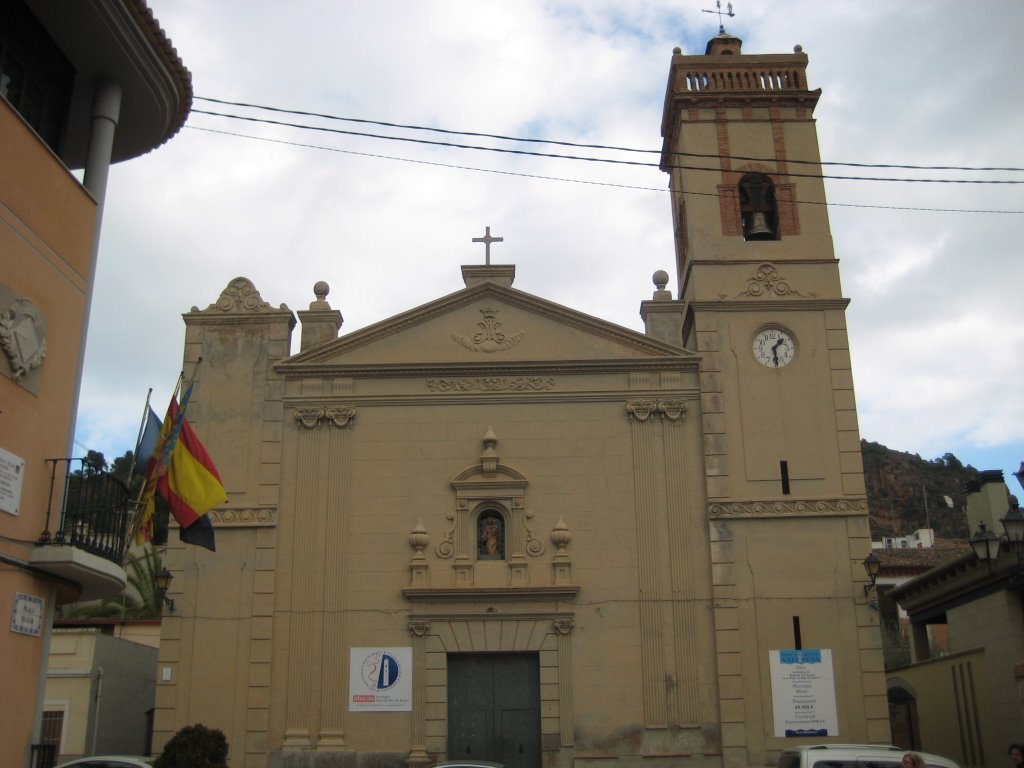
(109, 761)
(855, 756)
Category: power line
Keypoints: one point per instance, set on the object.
(612, 161)
(573, 181)
(555, 142)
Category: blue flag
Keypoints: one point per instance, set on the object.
(150, 436)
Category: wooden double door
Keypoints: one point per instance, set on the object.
(494, 708)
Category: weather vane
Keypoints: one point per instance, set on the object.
(727, 12)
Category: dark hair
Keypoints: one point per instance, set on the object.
(1017, 746)
(915, 759)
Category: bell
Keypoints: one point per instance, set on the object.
(759, 229)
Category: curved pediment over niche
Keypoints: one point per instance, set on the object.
(240, 297)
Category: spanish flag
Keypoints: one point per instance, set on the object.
(183, 473)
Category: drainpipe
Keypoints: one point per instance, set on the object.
(106, 110)
(96, 708)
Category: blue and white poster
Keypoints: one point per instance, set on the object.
(380, 680)
(803, 693)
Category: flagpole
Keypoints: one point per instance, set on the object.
(142, 429)
(147, 489)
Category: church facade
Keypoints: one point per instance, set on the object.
(493, 527)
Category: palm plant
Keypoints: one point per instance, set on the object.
(140, 600)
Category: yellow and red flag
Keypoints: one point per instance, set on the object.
(183, 473)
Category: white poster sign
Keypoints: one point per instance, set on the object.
(28, 614)
(380, 680)
(12, 470)
(803, 693)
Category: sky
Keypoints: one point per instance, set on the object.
(935, 318)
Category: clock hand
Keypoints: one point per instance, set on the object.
(775, 351)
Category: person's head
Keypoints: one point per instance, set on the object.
(1016, 753)
(912, 760)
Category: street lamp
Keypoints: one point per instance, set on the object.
(163, 581)
(871, 565)
(985, 544)
(1013, 524)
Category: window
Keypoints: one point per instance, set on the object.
(35, 76)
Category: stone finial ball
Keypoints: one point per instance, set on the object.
(661, 279)
(677, 50)
(321, 289)
(798, 49)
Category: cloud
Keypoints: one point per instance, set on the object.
(934, 298)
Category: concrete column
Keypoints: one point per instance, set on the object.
(106, 111)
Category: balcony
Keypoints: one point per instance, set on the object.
(86, 548)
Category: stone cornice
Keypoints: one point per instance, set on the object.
(298, 369)
(478, 595)
(495, 398)
(788, 508)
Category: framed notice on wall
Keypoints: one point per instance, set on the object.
(12, 470)
(803, 693)
(380, 680)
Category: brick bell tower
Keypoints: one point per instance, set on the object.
(786, 505)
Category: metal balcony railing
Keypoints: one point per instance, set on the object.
(93, 509)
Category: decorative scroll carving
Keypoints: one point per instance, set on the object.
(534, 546)
(767, 280)
(490, 337)
(807, 508)
(22, 333)
(243, 517)
(311, 418)
(492, 384)
(446, 547)
(240, 296)
(563, 626)
(341, 417)
(419, 628)
(672, 410)
(642, 410)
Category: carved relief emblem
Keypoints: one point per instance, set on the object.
(490, 337)
(768, 281)
(22, 333)
(239, 296)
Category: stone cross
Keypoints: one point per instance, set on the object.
(487, 240)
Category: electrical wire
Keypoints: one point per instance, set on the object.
(503, 137)
(502, 150)
(574, 181)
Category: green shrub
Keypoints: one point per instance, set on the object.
(195, 746)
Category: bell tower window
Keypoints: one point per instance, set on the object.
(759, 207)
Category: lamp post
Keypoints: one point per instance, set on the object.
(871, 565)
(985, 544)
(163, 581)
(1013, 524)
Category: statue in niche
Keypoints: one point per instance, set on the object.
(490, 537)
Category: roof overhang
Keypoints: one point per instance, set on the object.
(121, 41)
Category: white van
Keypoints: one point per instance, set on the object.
(854, 756)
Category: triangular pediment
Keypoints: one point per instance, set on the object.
(487, 324)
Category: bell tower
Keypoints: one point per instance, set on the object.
(763, 305)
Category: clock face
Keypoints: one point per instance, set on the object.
(774, 347)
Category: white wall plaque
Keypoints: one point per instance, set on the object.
(380, 680)
(28, 614)
(12, 470)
